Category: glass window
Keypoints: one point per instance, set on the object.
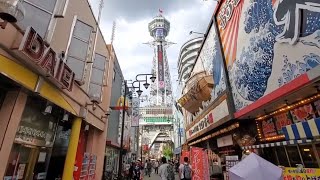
(282, 157)
(293, 154)
(78, 49)
(308, 156)
(82, 31)
(95, 92)
(97, 76)
(269, 154)
(45, 4)
(38, 15)
(77, 67)
(2, 96)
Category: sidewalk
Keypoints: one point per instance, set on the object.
(155, 177)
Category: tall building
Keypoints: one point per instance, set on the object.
(157, 120)
(161, 90)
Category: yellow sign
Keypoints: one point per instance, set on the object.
(301, 174)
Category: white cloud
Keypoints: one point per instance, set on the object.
(135, 57)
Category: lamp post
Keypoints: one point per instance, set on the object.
(194, 32)
(146, 85)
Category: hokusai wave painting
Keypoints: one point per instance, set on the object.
(268, 43)
(212, 60)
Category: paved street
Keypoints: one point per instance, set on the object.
(155, 177)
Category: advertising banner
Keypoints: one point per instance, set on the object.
(160, 67)
(184, 153)
(304, 173)
(197, 163)
(282, 120)
(268, 128)
(206, 173)
(135, 112)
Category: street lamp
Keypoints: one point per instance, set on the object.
(177, 122)
(152, 78)
(194, 32)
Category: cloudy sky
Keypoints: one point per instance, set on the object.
(132, 18)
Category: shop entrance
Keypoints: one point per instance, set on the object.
(27, 162)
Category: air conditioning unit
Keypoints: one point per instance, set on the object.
(11, 10)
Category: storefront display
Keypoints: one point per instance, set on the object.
(32, 149)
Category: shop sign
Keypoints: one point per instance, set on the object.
(31, 135)
(304, 173)
(225, 141)
(199, 162)
(302, 113)
(282, 120)
(43, 56)
(268, 128)
(201, 125)
(317, 106)
(213, 116)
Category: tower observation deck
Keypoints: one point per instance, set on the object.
(161, 90)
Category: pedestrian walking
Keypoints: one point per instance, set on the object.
(149, 167)
(136, 172)
(185, 170)
(163, 169)
(156, 166)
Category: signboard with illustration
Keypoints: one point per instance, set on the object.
(267, 44)
(282, 120)
(304, 173)
(268, 128)
(302, 113)
(317, 106)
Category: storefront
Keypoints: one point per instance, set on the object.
(289, 136)
(45, 113)
(31, 153)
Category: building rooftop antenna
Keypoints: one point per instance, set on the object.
(113, 31)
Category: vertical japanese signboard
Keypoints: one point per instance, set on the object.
(135, 112)
(160, 67)
(197, 163)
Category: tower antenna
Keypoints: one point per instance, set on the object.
(114, 24)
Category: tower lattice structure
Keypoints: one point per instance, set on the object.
(161, 89)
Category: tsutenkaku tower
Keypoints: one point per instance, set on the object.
(161, 91)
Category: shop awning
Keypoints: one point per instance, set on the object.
(199, 92)
(283, 143)
(302, 130)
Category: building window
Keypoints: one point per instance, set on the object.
(97, 77)
(308, 156)
(2, 96)
(294, 156)
(38, 15)
(78, 49)
(114, 75)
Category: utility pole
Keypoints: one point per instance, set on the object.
(122, 129)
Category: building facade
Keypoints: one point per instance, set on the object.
(114, 128)
(264, 87)
(273, 67)
(55, 92)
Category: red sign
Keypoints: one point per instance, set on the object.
(33, 46)
(184, 153)
(268, 128)
(197, 163)
(206, 173)
(160, 67)
(282, 120)
(302, 113)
